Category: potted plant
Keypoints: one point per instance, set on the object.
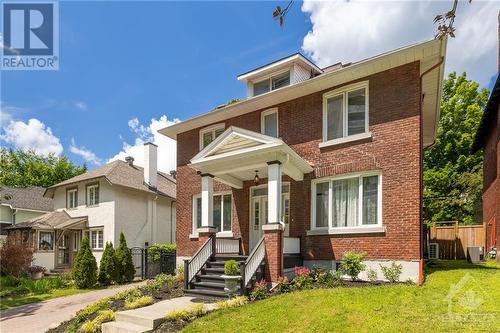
(36, 272)
(231, 277)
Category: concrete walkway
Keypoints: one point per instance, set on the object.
(150, 317)
(39, 317)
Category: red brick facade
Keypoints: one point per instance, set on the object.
(394, 150)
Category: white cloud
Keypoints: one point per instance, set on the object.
(33, 135)
(85, 153)
(348, 31)
(80, 105)
(167, 148)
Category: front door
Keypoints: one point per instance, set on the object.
(63, 250)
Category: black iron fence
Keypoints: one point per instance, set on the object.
(148, 263)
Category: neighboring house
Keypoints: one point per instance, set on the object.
(21, 204)
(315, 162)
(117, 197)
(488, 139)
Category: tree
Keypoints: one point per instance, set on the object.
(126, 270)
(15, 255)
(108, 268)
(452, 176)
(27, 168)
(84, 270)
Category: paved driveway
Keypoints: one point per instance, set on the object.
(38, 317)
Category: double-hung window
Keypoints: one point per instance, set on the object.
(46, 240)
(347, 202)
(345, 113)
(72, 198)
(222, 212)
(271, 83)
(96, 239)
(92, 195)
(269, 122)
(209, 134)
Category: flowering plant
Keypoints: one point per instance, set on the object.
(302, 271)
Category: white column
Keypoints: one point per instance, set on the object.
(274, 192)
(207, 190)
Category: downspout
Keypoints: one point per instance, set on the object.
(421, 190)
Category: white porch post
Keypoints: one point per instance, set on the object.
(207, 190)
(274, 192)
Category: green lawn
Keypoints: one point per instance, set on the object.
(10, 302)
(475, 307)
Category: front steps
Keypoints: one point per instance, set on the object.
(208, 283)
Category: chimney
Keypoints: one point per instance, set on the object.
(150, 164)
(129, 160)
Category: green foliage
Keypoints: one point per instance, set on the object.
(134, 303)
(283, 285)
(126, 268)
(259, 291)
(452, 175)
(302, 281)
(41, 286)
(352, 264)
(129, 294)
(161, 281)
(372, 275)
(94, 326)
(15, 257)
(26, 168)
(330, 279)
(85, 313)
(188, 314)
(231, 267)
(8, 281)
(393, 272)
(155, 250)
(108, 268)
(85, 266)
(232, 303)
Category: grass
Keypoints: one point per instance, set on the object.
(10, 302)
(398, 308)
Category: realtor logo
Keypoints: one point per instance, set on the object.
(30, 35)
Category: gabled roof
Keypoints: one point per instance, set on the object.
(488, 116)
(30, 198)
(122, 174)
(52, 220)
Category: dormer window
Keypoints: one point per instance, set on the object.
(271, 83)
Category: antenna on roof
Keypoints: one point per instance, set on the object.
(129, 160)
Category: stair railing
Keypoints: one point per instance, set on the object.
(195, 264)
(251, 265)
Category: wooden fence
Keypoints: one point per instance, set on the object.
(453, 239)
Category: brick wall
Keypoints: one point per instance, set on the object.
(394, 149)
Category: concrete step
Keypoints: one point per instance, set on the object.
(206, 293)
(209, 285)
(123, 327)
(150, 320)
(210, 278)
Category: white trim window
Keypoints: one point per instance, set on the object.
(222, 212)
(269, 122)
(97, 239)
(72, 198)
(77, 238)
(92, 195)
(347, 202)
(209, 134)
(345, 113)
(273, 82)
(46, 240)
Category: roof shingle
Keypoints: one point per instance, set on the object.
(26, 198)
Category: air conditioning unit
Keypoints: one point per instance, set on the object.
(433, 251)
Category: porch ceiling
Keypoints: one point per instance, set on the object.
(237, 153)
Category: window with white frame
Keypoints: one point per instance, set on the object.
(46, 240)
(209, 134)
(347, 202)
(72, 198)
(222, 212)
(271, 83)
(77, 238)
(92, 195)
(269, 122)
(345, 112)
(96, 239)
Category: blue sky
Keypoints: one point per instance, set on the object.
(125, 60)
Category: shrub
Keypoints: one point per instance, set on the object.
(283, 285)
(86, 312)
(352, 264)
(155, 250)
(41, 286)
(140, 302)
(94, 326)
(188, 314)
(393, 272)
(318, 271)
(259, 291)
(303, 278)
(108, 270)
(161, 281)
(372, 275)
(129, 294)
(126, 270)
(85, 267)
(330, 279)
(231, 267)
(15, 257)
(8, 281)
(232, 303)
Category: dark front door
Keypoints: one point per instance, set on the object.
(63, 248)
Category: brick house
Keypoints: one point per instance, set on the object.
(315, 162)
(488, 139)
